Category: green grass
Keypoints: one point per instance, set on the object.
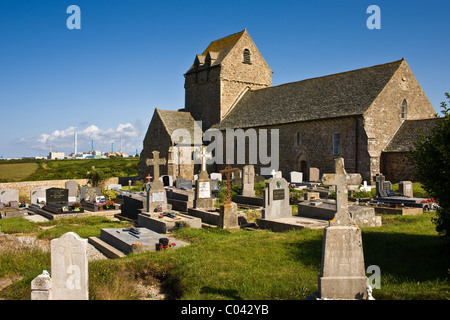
(16, 171)
(35, 170)
(220, 264)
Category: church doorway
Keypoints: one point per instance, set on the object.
(304, 170)
(303, 167)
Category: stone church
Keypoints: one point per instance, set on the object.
(367, 116)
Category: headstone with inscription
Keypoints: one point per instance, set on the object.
(89, 193)
(405, 188)
(276, 199)
(203, 195)
(155, 190)
(183, 184)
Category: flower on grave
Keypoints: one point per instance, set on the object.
(136, 244)
(110, 204)
(22, 202)
(159, 208)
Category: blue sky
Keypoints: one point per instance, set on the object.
(129, 57)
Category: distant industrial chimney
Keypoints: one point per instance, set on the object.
(75, 144)
(120, 144)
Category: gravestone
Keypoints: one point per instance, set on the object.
(89, 193)
(342, 271)
(276, 199)
(248, 181)
(8, 195)
(365, 187)
(183, 184)
(72, 186)
(57, 196)
(215, 185)
(383, 187)
(38, 195)
(69, 265)
(314, 174)
(228, 218)
(276, 174)
(296, 177)
(203, 194)
(405, 188)
(114, 186)
(216, 176)
(156, 194)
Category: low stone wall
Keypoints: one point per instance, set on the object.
(25, 187)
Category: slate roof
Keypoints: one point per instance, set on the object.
(408, 134)
(343, 94)
(219, 48)
(173, 120)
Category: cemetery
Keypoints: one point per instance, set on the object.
(186, 216)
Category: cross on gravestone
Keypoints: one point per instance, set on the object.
(156, 162)
(228, 170)
(204, 156)
(148, 177)
(248, 181)
(341, 180)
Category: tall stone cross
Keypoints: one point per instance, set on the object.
(228, 170)
(155, 162)
(341, 180)
(204, 156)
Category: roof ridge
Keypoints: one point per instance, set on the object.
(331, 75)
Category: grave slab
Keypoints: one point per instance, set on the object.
(128, 242)
(166, 224)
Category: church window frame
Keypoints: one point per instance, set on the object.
(247, 56)
(404, 108)
(336, 144)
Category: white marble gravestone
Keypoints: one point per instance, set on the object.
(69, 265)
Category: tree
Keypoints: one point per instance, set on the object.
(432, 160)
(96, 177)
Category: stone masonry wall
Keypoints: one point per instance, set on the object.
(383, 118)
(25, 187)
(316, 147)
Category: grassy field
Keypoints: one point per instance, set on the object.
(17, 171)
(220, 264)
(35, 170)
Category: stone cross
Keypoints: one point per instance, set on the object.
(228, 170)
(155, 162)
(204, 156)
(341, 180)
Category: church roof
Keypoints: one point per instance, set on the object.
(219, 48)
(409, 133)
(343, 94)
(173, 120)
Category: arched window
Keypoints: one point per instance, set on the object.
(404, 105)
(336, 144)
(247, 56)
